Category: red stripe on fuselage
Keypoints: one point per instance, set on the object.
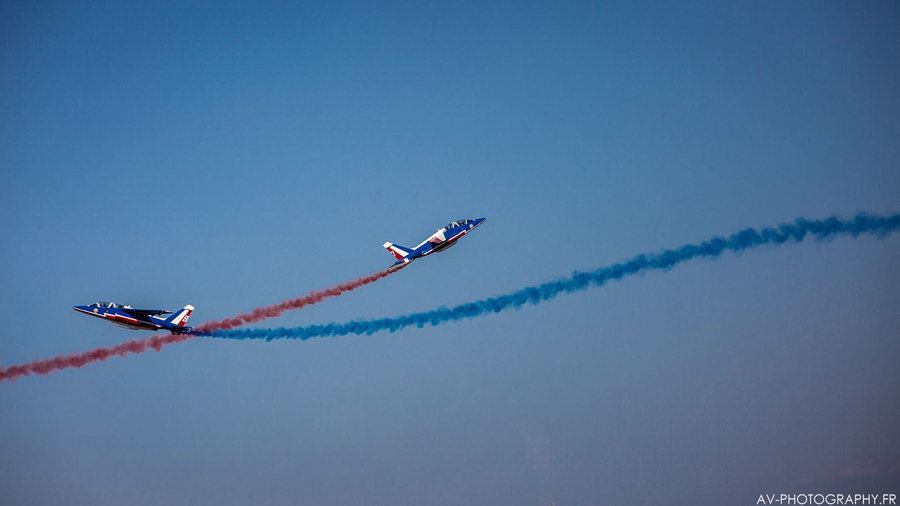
(117, 317)
(132, 321)
(448, 241)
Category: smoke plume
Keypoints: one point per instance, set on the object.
(78, 360)
(744, 240)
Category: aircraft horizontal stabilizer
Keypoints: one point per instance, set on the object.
(399, 252)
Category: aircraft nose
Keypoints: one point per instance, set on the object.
(479, 221)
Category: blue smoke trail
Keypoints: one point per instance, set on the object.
(880, 226)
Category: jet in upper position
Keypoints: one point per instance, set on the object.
(439, 241)
(128, 317)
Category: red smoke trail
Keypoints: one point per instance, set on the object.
(78, 360)
(275, 310)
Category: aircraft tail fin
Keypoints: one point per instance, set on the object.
(399, 252)
(181, 316)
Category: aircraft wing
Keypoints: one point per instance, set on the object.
(144, 312)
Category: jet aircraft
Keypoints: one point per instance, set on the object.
(128, 317)
(439, 241)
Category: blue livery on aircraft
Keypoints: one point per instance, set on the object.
(128, 317)
(439, 241)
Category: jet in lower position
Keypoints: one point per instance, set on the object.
(128, 317)
(439, 241)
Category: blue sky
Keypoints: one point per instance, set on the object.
(229, 155)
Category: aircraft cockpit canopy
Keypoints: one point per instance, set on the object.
(459, 223)
(104, 304)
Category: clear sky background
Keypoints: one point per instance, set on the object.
(231, 155)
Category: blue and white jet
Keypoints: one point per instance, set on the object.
(128, 317)
(439, 241)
